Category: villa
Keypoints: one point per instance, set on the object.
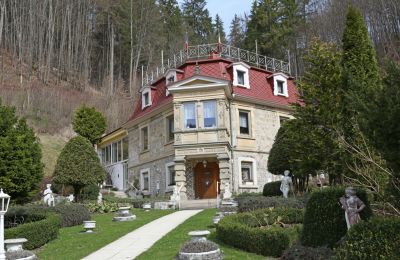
(205, 122)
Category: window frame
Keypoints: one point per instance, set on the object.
(253, 163)
(169, 187)
(146, 91)
(248, 122)
(142, 172)
(245, 69)
(195, 115)
(215, 113)
(280, 78)
(170, 136)
(142, 139)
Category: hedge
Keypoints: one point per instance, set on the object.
(324, 220)
(298, 252)
(72, 214)
(260, 231)
(135, 203)
(375, 239)
(272, 189)
(37, 233)
(261, 202)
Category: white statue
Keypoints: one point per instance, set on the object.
(100, 198)
(71, 197)
(175, 194)
(286, 183)
(48, 197)
(227, 192)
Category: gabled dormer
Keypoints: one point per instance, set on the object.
(280, 84)
(171, 76)
(240, 73)
(146, 97)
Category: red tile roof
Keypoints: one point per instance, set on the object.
(261, 87)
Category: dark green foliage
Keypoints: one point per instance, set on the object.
(261, 202)
(104, 207)
(21, 168)
(197, 20)
(375, 239)
(248, 194)
(218, 29)
(272, 189)
(237, 31)
(324, 221)
(78, 165)
(17, 215)
(261, 231)
(38, 233)
(90, 192)
(299, 252)
(89, 123)
(72, 214)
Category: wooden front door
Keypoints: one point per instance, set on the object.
(206, 180)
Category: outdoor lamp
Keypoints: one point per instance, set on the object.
(4, 202)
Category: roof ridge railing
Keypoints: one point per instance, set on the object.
(224, 51)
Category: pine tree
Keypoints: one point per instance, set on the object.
(198, 21)
(21, 168)
(78, 165)
(172, 21)
(272, 24)
(237, 31)
(218, 29)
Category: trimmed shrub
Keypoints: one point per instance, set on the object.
(135, 203)
(17, 215)
(90, 192)
(248, 194)
(37, 233)
(375, 239)
(272, 189)
(324, 220)
(267, 232)
(72, 214)
(299, 252)
(253, 203)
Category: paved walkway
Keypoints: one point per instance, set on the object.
(138, 241)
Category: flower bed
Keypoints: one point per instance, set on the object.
(267, 231)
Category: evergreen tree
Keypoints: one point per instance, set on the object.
(21, 168)
(171, 18)
(218, 29)
(89, 123)
(237, 31)
(78, 165)
(198, 21)
(272, 24)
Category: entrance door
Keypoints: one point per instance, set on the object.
(206, 180)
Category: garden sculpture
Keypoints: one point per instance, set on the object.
(227, 191)
(352, 206)
(71, 197)
(48, 197)
(286, 183)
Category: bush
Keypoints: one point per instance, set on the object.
(72, 214)
(105, 207)
(17, 215)
(261, 231)
(37, 233)
(324, 221)
(253, 203)
(272, 189)
(89, 123)
(248, 194)
(299, 252)
(90, 192)
(135, 203)
(375, 239)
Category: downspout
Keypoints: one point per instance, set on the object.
(233, 141)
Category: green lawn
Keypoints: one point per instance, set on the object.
(168, 246)
(71, 244)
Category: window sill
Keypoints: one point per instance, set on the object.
(242, 86)
(244, 186)
(246, 137)
(282, 95)
(144, 151)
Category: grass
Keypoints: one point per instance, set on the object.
(72, 244)
(51, 149)
(168, 246)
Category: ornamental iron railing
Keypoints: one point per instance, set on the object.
(207, 51)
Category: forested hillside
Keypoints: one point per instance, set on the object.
(57, 54)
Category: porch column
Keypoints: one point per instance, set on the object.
(225, 175)
(180, 175)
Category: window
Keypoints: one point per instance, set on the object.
(145, 179)
(240, 77)
(125, 148)
(119, 145)
(244, 123)
(114, 152)
(170, 128)
(146, 97)
(190, 114)
(210, 113)
(170, 177)
(171, 79)
(247, 174)
(108, 154)
(280, 89)
(145, 138)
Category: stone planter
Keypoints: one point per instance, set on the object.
(16, 251)
(15, 244)
(147, 206)
(199, 235)
(211, 255)
(89, 226)
(124, 214)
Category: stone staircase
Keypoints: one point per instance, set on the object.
(199, 204)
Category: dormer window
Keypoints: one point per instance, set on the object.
(241, 74)
(171, 79)
(280, 85)
(146, 98)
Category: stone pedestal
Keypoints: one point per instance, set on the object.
(124, 214)
(89, 226)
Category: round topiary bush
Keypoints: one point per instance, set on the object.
(272, 189)
(261, 202)
(375, 239)
(324, 220)
(72, 214)
(267, 231)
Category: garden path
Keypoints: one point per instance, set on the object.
(138, 241)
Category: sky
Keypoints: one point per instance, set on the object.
(227, 9)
